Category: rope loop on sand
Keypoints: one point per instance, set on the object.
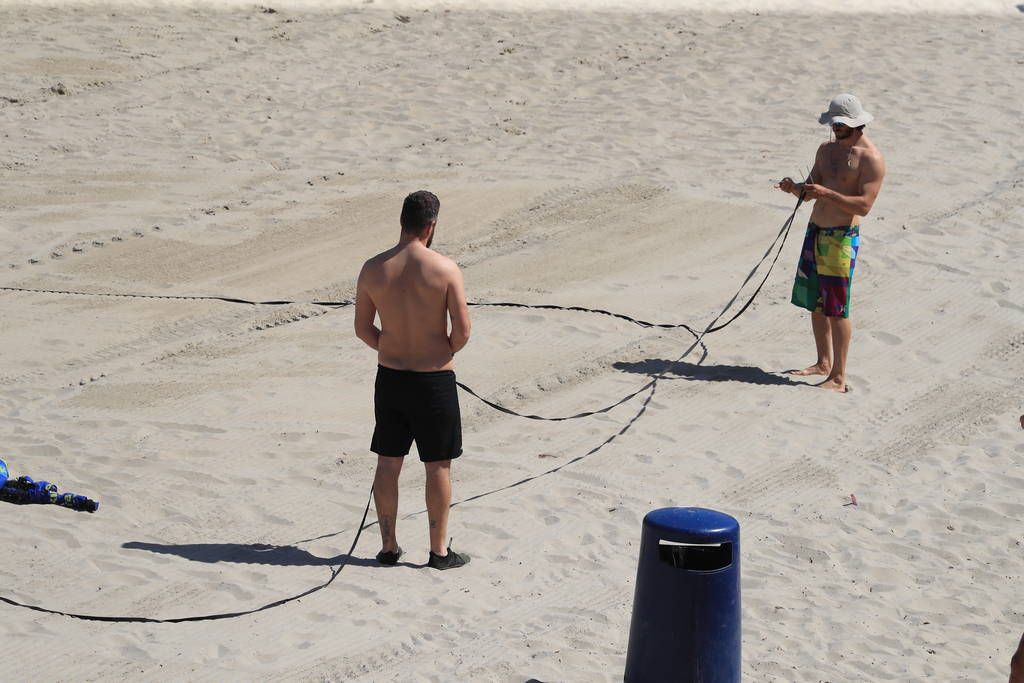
(779, 241)
(650, 387)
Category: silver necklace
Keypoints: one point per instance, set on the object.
(834, 163)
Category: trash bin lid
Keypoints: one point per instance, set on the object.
(693, 525)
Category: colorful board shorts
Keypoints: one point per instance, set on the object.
(416, 406)
(825, 272)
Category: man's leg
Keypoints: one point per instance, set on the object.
(439, 499)
(823, 344)
(841, 330)
(385, 497)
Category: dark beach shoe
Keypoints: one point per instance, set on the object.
(452, 560)
(389, 557)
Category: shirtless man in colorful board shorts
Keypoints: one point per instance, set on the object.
(415, 291)
(844, 183)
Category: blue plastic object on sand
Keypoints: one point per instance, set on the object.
(27, 491)
(686, 608)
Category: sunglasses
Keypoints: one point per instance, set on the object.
(839, 126)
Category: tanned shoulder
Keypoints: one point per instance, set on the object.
(369, 274)
(444, 263)
(874, 161)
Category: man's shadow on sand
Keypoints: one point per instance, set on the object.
(258, 553)
(705, 373)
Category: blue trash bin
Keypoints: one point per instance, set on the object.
(686, 608)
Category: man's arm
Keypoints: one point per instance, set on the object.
(458, 311)
(860, 204)
(366, 311)
(788, 185)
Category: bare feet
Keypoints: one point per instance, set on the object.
(816, 369)
(837, 384)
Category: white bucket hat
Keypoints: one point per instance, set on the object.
(847, 109)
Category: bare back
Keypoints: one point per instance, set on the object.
(414, 290)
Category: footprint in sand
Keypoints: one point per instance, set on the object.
(999, 287)
(928, 358)
(886, 338)
(1006, 303)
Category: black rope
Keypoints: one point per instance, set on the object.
(176, 297)
(207, 617)
(625, 428)
(651, 385)
(784, 234)
(780, 241)
(581, 309)
(343, 303)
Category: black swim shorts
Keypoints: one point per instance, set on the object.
(420, 406)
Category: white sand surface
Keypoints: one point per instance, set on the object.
(957, 7)
(614, 160)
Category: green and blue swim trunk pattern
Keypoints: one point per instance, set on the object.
(825, 271)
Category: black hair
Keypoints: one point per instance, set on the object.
(419, 210)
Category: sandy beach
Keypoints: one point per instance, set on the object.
(595, 155)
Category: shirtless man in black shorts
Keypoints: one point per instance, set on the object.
(415, 291)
